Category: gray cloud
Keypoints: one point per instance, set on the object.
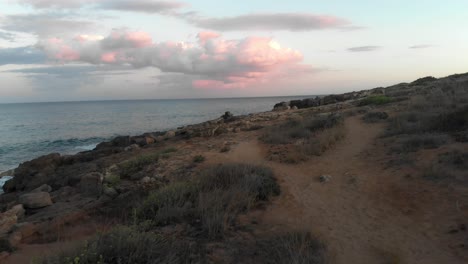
(364, 48)
(44, 24)
(7, 36)
(22, 55)
(44, 4)
(424, 46)
(277, 21)
(145, 6)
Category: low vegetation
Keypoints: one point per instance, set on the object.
(125, 245)
(135, 165)
(216, 198)
(199, 159)
(374, 117)
(375, 100)
(305, 137)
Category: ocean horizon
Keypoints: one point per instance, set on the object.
(32, 129)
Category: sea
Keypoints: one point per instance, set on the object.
(30, 130)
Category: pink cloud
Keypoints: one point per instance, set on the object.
(109, 57)
(204, 36)
(214, 62)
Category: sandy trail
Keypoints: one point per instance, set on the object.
(357, 223)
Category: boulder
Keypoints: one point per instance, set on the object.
(281, 106)
(145, 180)
(121, 141)
(228, 116)
(91, 184)
(110, 191)
(9, 186)
(32, 174)
(9, 218)
(35, 200)
(132, 147)
(170, 134)
(43, 188)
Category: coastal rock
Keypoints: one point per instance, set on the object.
(14, 239)
(170, 134)
(132, 147)
(42, 188)
(35, 200)
(228, 116)
(122, 141)
(110, 191)
(34, 173)
(91, 184)
(283, 106)
(145, 180)
(9, 218)
(9, 186)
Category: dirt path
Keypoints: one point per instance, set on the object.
(357, 223)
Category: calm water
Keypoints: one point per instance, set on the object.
(31, 130)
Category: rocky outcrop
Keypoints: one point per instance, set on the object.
(91, 184)
(34, 173)
(35, 200)
(9, 218)
(283, 106)
(42, 188)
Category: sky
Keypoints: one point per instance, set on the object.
(75, 50)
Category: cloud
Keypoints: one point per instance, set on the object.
(7, 36)
(44, 24)
(145, 6)
(45, 4)
(424, 46)
(364, 48)
(22, 55)
(216, 62)
(274, 21)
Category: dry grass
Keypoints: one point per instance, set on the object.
(295, 140)
(216, 197)
(125, 245)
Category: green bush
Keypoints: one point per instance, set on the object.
(216, 197)
(375, 100)
(137, 164)
(412, 143)
(295, 248)
(125, 245)
(199, 159)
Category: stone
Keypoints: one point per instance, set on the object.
(35, 200)
(91, 184)
(7, 221)
(132, 147)
(170, 134)
(32, 174)
(149, 140)
(3, 256)
(294, 108)
(43, 188)
(14, 239)
(110, 191)
(325, 178)
(228, 116)
(145, 180)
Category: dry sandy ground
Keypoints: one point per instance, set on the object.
(364, 214)
(352, 213)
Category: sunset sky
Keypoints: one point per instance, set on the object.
(73, 50)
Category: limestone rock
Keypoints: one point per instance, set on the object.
(42, 188)
(35, 200)
(91, 184)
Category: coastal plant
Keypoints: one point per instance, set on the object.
(137, 164)
(199, 159)
(375, 100)
(412, 143)
(216, 197)
(297, 247)
(124, 245)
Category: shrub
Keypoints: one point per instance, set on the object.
(416, 142)
(294, 248)
(375, 100)
(198, 159)
(137, 164)
(217, 197)
(125, 245)
(423, 81)
(294, 129)
(456, 159)
(374, 117)
(169, 204)
(324, 141)
(169, 150)
(452, 122)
